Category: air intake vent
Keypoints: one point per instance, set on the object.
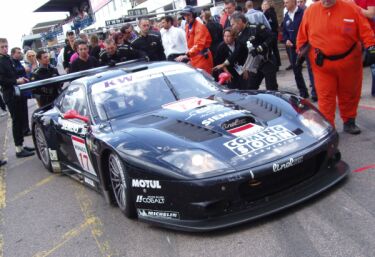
(261, 108)
(190, 131)
(147, 120)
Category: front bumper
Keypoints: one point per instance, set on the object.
(324, 179)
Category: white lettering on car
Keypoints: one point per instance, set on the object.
(158, 214)
(291, 162)
(150, 199)
(264, 140)
(142, 183)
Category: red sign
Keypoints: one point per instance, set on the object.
(98, 4)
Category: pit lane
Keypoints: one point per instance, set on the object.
(43, 214)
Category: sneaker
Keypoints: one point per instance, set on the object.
(3, 114)
(29, 148)
(351, 128)
(2, 163)
(24, 153)
(289, 67)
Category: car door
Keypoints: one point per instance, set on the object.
(72, 129)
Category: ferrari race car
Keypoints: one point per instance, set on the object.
(168, 145)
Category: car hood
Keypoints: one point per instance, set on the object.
(240, 130)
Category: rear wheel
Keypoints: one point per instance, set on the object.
(42, 147)
(120, 185)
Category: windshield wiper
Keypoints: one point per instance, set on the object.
(169, 84)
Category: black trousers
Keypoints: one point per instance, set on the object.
(2, 104)
(25, 114)
(267, 72)
(297, 70)
(14, 105)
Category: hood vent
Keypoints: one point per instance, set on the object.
(261, 108)
(147, 120)
(190, 131)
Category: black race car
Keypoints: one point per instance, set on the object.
(168, 145)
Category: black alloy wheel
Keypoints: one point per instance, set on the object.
(120, 185)
(42, 147)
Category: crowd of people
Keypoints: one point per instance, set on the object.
(330, 35)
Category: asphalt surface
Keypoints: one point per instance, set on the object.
(44, 214)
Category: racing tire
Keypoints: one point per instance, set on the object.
(42, 147)
(120, 184)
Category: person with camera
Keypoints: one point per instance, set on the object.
(260, 63)
(334, 30)
(198, 42)
(8, 79)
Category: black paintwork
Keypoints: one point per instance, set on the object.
(248, 189)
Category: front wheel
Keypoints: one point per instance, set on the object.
(42, 147)
(119, 183)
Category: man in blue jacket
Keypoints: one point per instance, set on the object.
(291, 23)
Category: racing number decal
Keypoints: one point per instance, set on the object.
(82, 155)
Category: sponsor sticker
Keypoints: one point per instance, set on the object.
(264, 140)
(150, 199)
(82, 154)
(158, 214)
(284, 165)
(72, 126)
(349, 20)
(188, 104)
(89, 181)
(143, 183)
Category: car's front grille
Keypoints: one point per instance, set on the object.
(275, 182)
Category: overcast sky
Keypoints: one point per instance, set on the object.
(17, 18)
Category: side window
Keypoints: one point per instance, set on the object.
(74, 99)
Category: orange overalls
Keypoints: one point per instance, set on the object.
(334, 31)
(198, 41)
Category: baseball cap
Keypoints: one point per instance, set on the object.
(187, 9)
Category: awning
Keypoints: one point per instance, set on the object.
(60, 5)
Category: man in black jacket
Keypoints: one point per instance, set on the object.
(84, 60)
(148, 42)
(224, 50)
(47, 94)
(8, 79)
(258, 39)
(16, 56)
(113, 54)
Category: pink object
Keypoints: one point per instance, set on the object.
(224, 77)
(73, 57)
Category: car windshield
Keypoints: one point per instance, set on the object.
(146, 91)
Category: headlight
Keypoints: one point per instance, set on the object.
(194, 162)
(315, 123)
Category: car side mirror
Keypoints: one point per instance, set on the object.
(224, 78)
(73, 114)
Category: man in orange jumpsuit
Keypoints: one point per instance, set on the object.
(334, 29)
(198, 41)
